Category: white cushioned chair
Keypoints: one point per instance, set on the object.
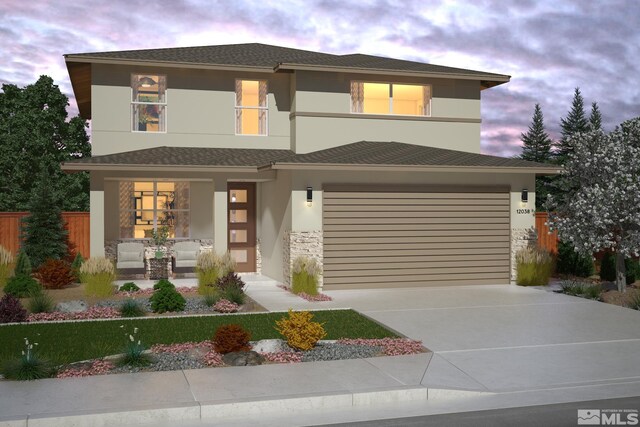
(184, 257)
(130, 258)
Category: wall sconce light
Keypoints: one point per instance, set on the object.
(524, 196)
(147, 81)
(309, 196)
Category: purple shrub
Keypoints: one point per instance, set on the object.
(11, 310)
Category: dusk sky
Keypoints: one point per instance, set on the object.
(548, 47)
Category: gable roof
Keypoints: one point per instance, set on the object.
(258, 57)
(363, 155)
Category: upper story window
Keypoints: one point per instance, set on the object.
(390, 98)
(251, 107)
(149, 103)
(148, 205)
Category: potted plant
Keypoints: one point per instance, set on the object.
(160, 237)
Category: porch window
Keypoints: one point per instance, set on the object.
(390, 98)
(147, 205)
(148, 103)
(251, 107)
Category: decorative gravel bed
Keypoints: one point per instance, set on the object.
(194, 305)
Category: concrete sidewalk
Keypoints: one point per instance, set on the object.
(494, 347)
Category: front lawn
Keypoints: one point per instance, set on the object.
(75, 341)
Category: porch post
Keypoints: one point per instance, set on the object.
(96, 216)
(220, 233)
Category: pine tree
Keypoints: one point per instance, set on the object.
(536, 144)
(536, 147)
(595, 119)
(576, 121)
(43, 229)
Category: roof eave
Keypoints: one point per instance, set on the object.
(77, 167)
(418, 168)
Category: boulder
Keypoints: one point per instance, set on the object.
(74, 306)
(270, 346)
(243, 358)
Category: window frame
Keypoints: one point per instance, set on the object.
(163, 104)
(427, 106)
(155, 209)
(240, 107)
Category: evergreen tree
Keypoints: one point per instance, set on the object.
(576, 121)
(35, 132)
(43, 231)
(536, 147)
(595, 119)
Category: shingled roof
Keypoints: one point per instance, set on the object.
(368, 154)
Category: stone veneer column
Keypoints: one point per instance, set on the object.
(301, 243)
(520, 238)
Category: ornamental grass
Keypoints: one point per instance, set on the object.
(534, 267)
(98, 275)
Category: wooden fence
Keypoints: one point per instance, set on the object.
(546, 240)
(77, 224)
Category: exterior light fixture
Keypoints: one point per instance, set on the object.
(309, 196)
(524, 196)
(146, 81)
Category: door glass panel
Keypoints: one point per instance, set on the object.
(240, 255)
(238, 196)
(238, 236)
(238, 215)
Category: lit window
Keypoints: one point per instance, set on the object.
(148, 103)
(251, 107)
(390, 98)
(146, 206)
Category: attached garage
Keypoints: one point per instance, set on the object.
(388, 237)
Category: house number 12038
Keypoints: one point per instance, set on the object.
(523, 211)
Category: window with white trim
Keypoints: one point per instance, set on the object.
(251, 107)
(390, 98)
(147, 205)
(148, 103)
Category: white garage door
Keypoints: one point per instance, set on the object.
(389, 238)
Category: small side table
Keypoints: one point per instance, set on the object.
(158, 268)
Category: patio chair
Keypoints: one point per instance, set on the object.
(130, 258)
(184, 257)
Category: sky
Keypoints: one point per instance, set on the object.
(547, 47)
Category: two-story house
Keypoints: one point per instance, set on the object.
(370, 164)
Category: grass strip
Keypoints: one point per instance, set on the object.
(75, 341)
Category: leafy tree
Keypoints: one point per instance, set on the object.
(595, 119)
(536, 147)
(35, 134)
(43, 232)
(576, 121)
(599, 208)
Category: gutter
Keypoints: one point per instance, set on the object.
(76, 167)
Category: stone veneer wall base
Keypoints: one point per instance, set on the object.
(301, 243)
(520, 238)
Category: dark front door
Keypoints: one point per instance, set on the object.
(242, 224)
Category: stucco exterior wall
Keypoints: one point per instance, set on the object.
(200, 110)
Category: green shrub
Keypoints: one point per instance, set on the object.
(533, 267)
(29, 366)
(163, 283)
(98, 274)
(608, 268)
(11, 311)
(234, 294)
(6, 261)
(41, 302)
(167, 299)
(23, 264)
(571, 263)
(131, 308)
(305, 275)
(572, 287)
(21, 286)
(129, 287)
(591, 292)
(212, 298)
(75, 266)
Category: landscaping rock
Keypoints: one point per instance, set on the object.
(74, 306)
(270, 346)
(243, 358)
(335, 351)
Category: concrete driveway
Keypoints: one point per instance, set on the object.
(498, 338)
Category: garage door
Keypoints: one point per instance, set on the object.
(402, 238)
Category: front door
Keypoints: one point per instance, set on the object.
(242, 224)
